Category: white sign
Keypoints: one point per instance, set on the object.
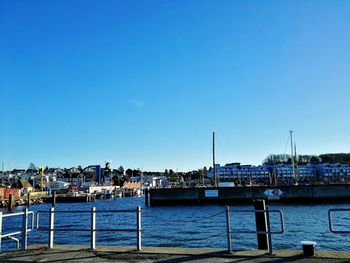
(273, 194)
(211, 193)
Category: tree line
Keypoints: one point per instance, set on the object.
(305, 159)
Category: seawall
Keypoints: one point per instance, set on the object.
(239, 195)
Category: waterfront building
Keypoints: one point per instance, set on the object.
(241, 174)
(334, 172)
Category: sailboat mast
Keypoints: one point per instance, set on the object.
(292, 154)
(215, 179)
(296, 161)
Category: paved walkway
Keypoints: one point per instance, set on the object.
(180, 255)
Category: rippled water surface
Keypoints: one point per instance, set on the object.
(189, 226)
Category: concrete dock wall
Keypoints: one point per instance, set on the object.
(238, 195)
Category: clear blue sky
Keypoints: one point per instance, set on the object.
(144, 83)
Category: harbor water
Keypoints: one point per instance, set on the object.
(187, 226)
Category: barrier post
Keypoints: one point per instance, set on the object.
(11, 202)
(28, 199)
(269, 235)
(146, 196)
(139, 228)
(53, 201)
(24, 242)
(51, 227)
(228, 229)
(93, 228)
(261, 224)
(0, 230)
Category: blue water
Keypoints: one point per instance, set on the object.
(189, 226)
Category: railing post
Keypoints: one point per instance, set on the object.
(269, 237)
(0, 230)
(139, 229)
(228, 229)
(51, 227)
(24, 229)
(93, 228)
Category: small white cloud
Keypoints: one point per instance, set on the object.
(135, 103)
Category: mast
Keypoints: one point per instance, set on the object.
(296, 160)
(215, 178)
(292, 154)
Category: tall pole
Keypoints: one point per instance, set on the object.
(2, 174)
(296, 161)
(292, 154)
(215, 179)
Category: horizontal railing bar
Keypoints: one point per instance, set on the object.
(14, 214)
(14, 233)
(11, 234)
(253, 211)
(88, 230)
(339, 209)
(340, 231)
(256, 232)
(89, 211)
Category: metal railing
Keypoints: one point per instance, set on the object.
(93, 229)
(330, 222)
(24, 231)
(269, 232)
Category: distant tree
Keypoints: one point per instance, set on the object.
(121, 170)
(108, 166)
(129, 172)
(32, 167)
(335, 158)
(314, 160)
(277, 159)
(136, 172)
(205, 172)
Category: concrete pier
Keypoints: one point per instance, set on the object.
(65, 253)
(239, 195)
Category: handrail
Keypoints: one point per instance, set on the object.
(269, 233)
(330, 222)
(262, 232)
(23, 232)
(83, 211)
(93, 228)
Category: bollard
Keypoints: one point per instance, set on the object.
(308, 248)
(54, 199)
(261, 224)
(24, 245)
(146, 196)
(228, 229)
(93, 228)
(139, 228)
(51, 227)
(11, 202)
(28, 199)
